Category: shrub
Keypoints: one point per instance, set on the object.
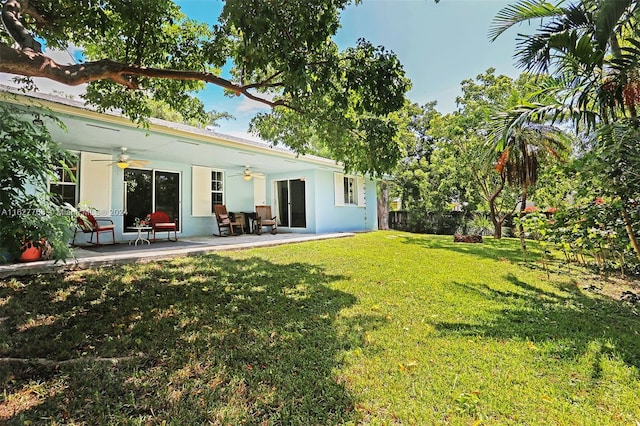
(28, 155)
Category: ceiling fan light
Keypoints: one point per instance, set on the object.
(122, 164)
(246, 177)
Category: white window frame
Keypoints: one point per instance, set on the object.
(342, 199)
(350, 185)
(153, 194)
(220, 191)
(75, 183)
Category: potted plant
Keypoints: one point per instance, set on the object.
(40, 227)
(31, 250)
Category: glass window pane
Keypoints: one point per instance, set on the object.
(216, 198)
(167, 190)
(217, 188)
(69, 176)
(139, 195)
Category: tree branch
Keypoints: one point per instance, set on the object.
(266, 83)
(33, 64)
(40, 20)
(11, 11)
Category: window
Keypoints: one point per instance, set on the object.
(64, 187)
(217, 188)
(207, 190)
(350, 190)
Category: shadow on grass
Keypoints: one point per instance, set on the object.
(200, 340)
(570, 324)
(490, 248)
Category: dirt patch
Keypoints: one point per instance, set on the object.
(615, 287)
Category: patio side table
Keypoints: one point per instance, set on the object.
(140, 238)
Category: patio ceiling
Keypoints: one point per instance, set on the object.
(89, 130)
(177, 145)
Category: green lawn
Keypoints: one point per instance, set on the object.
(381, 328)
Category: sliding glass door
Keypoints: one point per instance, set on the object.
(291, 197)
(147, 191)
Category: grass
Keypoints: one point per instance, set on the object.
(381, 328)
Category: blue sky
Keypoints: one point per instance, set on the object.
(439, 45)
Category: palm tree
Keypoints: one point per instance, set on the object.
(593, 47)
(522, 145)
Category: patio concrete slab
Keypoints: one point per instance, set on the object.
(123, 253)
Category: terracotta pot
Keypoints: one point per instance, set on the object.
(30, 253)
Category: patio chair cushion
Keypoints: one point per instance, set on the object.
(165, 225)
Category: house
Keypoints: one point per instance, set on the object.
(184, 171)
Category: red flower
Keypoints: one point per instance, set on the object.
(530, 209)
(599, 200)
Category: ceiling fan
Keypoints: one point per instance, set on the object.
(247, 174)
(124, 161)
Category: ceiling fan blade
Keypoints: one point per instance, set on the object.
(138, 162)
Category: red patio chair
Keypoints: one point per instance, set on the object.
(160, 222)
(87, 223)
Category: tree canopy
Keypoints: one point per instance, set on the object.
(281, 54)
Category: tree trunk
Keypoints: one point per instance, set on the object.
(497, 223)
(493, 214)
(383, 205)
(523, 206)
(497, 226)
(628, 226)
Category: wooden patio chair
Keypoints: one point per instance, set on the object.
(160, 222)
(224, 220)
(265, 218)
(88, 224)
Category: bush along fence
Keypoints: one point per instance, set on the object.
(590, 235)
(425, 222)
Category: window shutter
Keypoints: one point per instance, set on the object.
(201, 191)
(338, 187)
(95, 182)
(362, 191)
(259, 191)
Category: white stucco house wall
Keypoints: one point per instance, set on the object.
(190, 169)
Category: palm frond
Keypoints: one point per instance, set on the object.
(522, 11)
(611, 14)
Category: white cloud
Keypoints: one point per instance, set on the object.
(249, 105)
(63, 57)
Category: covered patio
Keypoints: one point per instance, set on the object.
(91, 256)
